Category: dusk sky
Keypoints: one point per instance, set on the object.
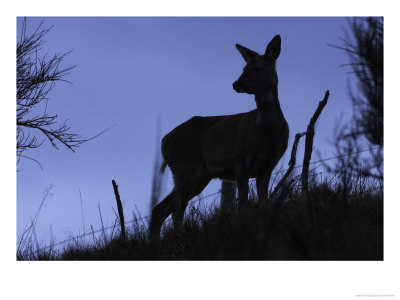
(129, 71)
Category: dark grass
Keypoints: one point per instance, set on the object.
(327, 224)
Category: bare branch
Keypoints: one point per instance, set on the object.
(307, 155)
(309, 142)
(120, 209)
(37, 75)
(292, 163)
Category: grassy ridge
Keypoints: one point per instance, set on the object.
(328, 224)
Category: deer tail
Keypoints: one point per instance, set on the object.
(163, 166)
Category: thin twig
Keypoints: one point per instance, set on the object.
(83, 218)
(102, 225)
(120, 209)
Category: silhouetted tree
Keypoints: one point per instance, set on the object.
(364, 46)
(36, 77)
(366, 60)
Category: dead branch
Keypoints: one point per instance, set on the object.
(120, 209)
(308, 149)
(309, 142)
(292, 163)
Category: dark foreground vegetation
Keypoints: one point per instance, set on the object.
(329, 223)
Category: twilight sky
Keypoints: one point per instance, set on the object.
(131, 70)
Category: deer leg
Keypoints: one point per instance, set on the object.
(243, 186)
(243, 191)
(190, 187)
(178, 213)
(262, 183)
(177, 216)
(159, 213)
(193, 186)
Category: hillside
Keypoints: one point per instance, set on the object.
(328, 224)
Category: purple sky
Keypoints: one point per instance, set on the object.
(131, 70)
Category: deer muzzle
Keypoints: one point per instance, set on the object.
(237, 87)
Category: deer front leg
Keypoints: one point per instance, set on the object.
(243, 185)
(262, 183)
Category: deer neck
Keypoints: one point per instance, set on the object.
(268, 108)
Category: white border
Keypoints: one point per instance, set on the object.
(196, 280)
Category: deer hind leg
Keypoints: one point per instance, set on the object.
(188, 187)
(262, 183)
(159, 213)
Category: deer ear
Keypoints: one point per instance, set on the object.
(274, 48)
(246, 53)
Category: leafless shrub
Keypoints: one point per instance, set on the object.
(37, 76)
(364, 46)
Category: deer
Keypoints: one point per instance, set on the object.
(230, 147)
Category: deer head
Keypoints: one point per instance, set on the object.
(259, 75)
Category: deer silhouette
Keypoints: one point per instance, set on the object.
(232, 147)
